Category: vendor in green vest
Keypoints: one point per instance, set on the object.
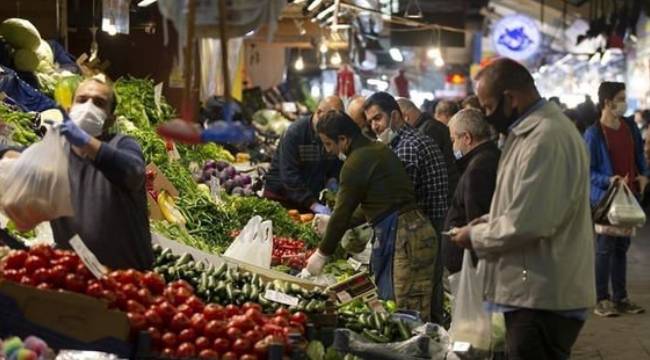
(375, 188)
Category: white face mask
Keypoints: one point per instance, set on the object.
(342, 156)
(388, 134)
(620, 109)
(88, 117)
(458, 154)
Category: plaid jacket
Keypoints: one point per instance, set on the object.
(426, 167)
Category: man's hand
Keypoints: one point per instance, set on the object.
(462, 237)
(643, 182)
(74, 134)
(11, 154)
(320, 209)
(316, 262)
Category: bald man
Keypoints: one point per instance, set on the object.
(355, 111)
(301, 167)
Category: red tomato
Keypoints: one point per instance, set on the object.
(272, 329)
(144, 296)
(233, 333)
(41, 275)
(251, 305)
(299, 317)
(261, 348)
(241, 322)
(208, 354)
(186, 350)
(168, 352)
(255, 315)
(57, 274)
(181, 284)
(169, 340)
(44, 286)
(181, 295)
(120, 300)
(232, 310)
(152, 317)
(74, 283)
(109, 282)
(195, 303)
(137, 321)
(214, 329)
(83, 271)
(166, 311)
(94, 289)
(133, 276)
(11, 274)
(16, 259)
(198, 323)
(110, 297)
(280, 321)
(185, 309)
(153, 282)
(34, 262)
(297, 326)
(221, 345)
(27, 280)
(248, 357)
(130, 290)
(214, 312)
(179, 322)
(135, 307)
(202, 343)
(229, 356)
(282, 311)
(253, 336)
(187, 335)
(155, 336)
(68, 262)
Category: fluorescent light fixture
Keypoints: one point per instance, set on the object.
(145, 3)
(439, 62)
(336, 59)
(326, 12)
(314, 5)
(323, 47)
(300, 64)
(396, 54)
(111, 29)
(433, 53)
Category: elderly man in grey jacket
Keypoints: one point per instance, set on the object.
(537, 240)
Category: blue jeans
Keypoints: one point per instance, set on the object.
(611, 262)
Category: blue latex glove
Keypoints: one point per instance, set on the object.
(332, 185)
(73, 133)
(227, 132)
(320, 209)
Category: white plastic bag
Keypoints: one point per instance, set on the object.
(470, 322)
(625, 210)
(37, 186)
(254, 244)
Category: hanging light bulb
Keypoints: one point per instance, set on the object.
(300, 64)
(111, 30)
(336, 59)
(434, 53)
(413, 10)
(323, 47)
(439, 62)
(396, 54)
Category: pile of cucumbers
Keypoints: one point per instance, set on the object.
(224, 285)
(378, 327)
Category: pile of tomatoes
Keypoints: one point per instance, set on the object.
(179, 323)
(290, 252)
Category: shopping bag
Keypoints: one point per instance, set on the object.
(599, 212)
(254, 244)
(471, 323)
(36, 186)
(625, 210)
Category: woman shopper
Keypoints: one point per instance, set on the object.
(616, 151)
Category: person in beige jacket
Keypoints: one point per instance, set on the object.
(537, 240)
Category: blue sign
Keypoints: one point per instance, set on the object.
(516, 36)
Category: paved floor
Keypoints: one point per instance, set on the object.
(626, 337)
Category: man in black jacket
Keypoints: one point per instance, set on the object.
(301, 167)
(427, 125)
(478, 162)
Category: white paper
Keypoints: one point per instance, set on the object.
(87, 257)
(281, 298)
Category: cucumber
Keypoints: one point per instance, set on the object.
(374, 336)
(376, 322)
(246, 291)
(184, 259)
(404, 330)
(255, 291)
(230, 292)
(221, 270)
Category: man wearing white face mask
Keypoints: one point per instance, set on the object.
(107, 176)
(616, 151)
(425, 164)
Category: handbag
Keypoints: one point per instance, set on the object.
(624, 209)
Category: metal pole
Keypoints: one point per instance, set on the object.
(224, 49)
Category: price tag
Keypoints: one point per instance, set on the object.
(87, 257)
(356, 265)
(460, 346)
(343, 296)
(215, 189)
(157, 94)
(376, 306)
(281, 298)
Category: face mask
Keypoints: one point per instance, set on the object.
(88, 117)
(620, 109)
(458, 154)
(341, 155)
(499, 120)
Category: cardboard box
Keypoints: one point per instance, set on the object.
(160, 182)
(65, 320)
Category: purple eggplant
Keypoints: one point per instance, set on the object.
(221, 164)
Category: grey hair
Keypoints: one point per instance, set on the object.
(406, 104)
(473, 122)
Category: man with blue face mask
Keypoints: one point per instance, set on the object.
(107, 179)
